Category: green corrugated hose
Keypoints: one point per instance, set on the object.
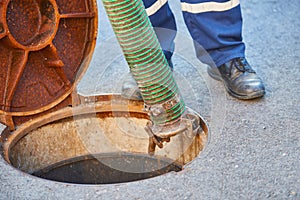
(146, 60)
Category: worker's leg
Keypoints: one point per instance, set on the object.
(163, 22)
(216, 26)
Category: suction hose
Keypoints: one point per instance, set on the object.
(146, 60)
(151, 71)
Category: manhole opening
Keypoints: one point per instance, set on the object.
(96, 148)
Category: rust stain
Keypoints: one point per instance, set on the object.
(44, 44)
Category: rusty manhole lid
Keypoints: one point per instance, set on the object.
(44, 46)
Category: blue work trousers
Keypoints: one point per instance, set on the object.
(214, 25)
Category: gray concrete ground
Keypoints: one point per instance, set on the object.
(254, 146)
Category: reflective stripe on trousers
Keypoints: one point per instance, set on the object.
(215, 26)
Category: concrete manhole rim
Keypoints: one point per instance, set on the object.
(12, 139)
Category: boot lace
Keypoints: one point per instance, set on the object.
(241, 65)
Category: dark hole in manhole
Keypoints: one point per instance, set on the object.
(107, 168)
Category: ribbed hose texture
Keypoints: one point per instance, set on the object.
(145, 57)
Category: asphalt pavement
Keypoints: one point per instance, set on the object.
(254, 146)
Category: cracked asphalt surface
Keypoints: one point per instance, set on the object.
(254, 146)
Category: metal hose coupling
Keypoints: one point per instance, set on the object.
(150, 69)
(188, 125)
